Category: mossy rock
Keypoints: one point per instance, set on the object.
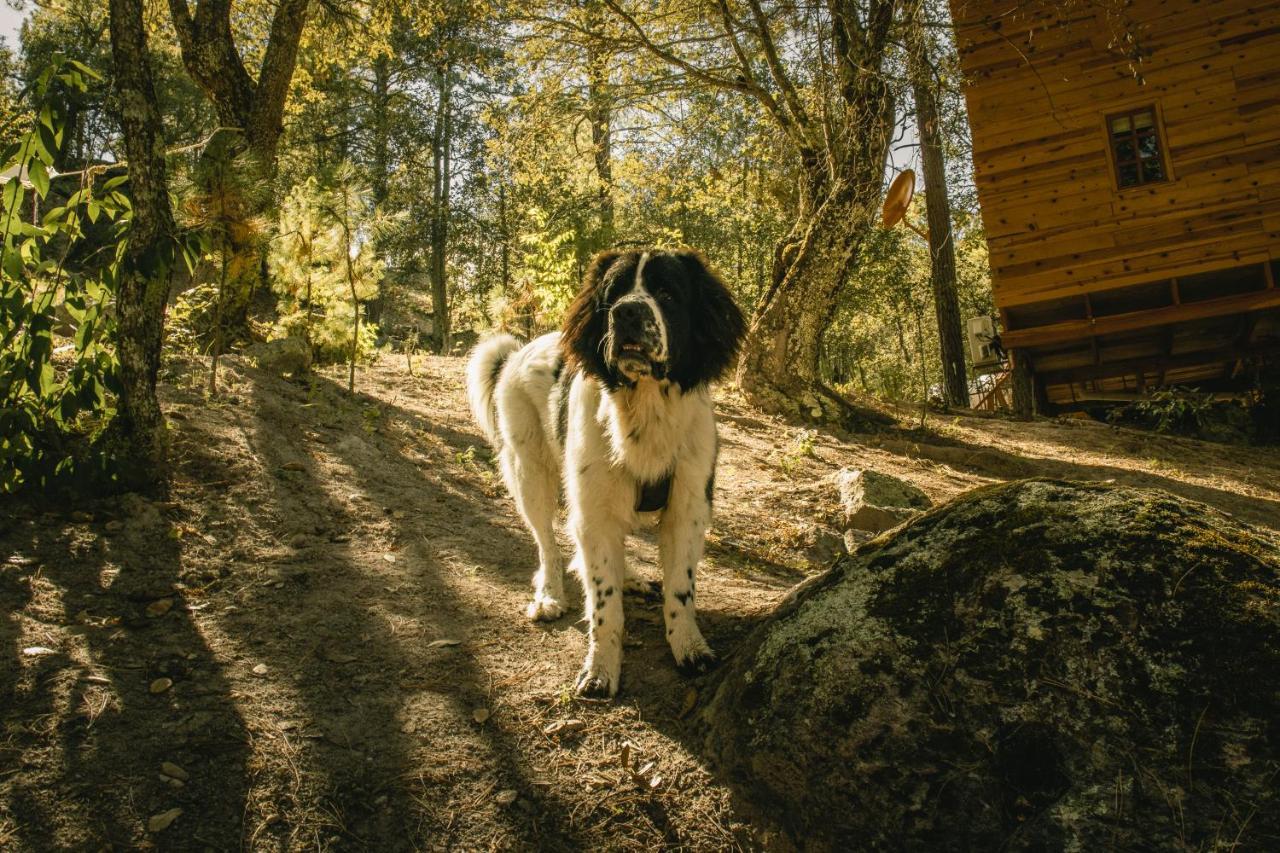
(1036, 665)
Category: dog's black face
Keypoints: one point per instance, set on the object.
(652, 314)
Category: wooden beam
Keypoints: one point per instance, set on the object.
(1073, 330)
(1086, 373)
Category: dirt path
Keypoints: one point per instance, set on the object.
(328, 603)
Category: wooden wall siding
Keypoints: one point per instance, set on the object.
(1038, 88)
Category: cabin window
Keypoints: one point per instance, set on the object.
(1135, 148)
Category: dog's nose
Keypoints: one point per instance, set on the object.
(632, 313)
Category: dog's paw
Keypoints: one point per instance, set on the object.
(544, 609)
(596, 683)
(697, 662)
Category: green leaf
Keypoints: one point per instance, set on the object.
(84, 69)
(48, 143)
(112, 183)
(13, 194)
(39, 177)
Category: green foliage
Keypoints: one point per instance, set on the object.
(58, 375)
(324, 268)
(1187, 411)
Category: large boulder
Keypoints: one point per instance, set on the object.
(1036, 665)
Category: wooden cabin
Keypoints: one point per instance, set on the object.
(1127, 161)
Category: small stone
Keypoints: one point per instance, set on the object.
(480, 714)
(160, 685)
(160, 822)
(390, 558)
(505, 798)
(299, 541)
(159, 607)
(38, 651)
(260, 670)
(173, 771)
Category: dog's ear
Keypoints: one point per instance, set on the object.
(587, 319)
(716, 325)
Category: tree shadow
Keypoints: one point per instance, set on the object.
(86, 732)
(988, 461)
(393, 673)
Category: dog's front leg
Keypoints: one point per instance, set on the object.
(681, 533)
(600, 564)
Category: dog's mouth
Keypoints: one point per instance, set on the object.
(636, 360)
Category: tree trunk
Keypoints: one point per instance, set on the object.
(253, 108)
(381, 143)
(779, 369)
(137, 431)
(442, 142)
(942, 252)
(600, 114)
(1024, 393)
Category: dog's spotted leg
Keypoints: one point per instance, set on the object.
(600, 566)
(680, 540)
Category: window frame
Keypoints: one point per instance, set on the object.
(1157, 132)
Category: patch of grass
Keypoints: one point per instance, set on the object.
(802, 447)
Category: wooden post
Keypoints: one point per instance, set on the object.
(1023, 385)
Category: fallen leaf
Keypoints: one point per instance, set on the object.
(563, 728)
(160, 685)
(260, 669)
(160, 822)
(437, 644)
(173, 771)
(37, 651)
(159, 607)
(339, 657)
(505, 798)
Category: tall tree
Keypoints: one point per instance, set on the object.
(442, 170)
(818, 73)
(255, 108)
(942, 249)
(143, 282)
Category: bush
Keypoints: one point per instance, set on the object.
(58, 371)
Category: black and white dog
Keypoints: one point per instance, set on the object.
(616, 406)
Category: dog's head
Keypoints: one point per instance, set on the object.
(654, 314)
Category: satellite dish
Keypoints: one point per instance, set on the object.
(898, 199)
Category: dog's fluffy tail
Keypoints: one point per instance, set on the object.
(483, 370)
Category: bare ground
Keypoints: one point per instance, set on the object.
(321, 624)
